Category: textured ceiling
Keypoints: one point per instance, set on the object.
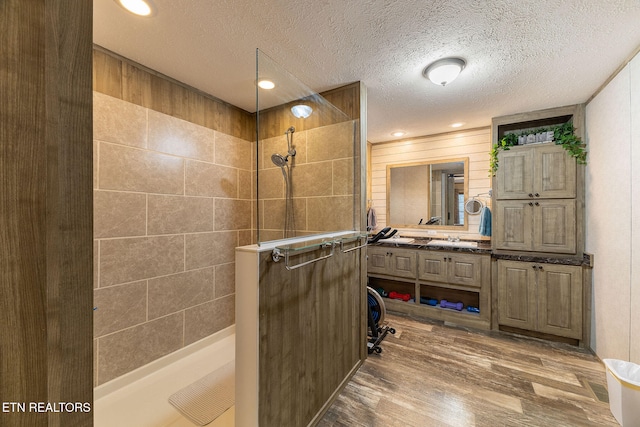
(522, 55)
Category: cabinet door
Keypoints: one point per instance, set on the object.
(514, 177)
(377, 260)
(402, 263)
(554, 173)
(513, 225)
(465, 269)
(432, 266)
(560, 300)
(554, 226)
(517, 301)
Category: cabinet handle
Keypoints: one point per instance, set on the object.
(530, 195)
(537, 204)
(530, 203)
(537, 195)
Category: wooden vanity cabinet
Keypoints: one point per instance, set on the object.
(540, 297)
(396, 262)
(450, 267)
(451, 275)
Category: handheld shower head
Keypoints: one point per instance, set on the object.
(279, 160)
(290, 130)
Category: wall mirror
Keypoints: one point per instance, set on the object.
(428, 194)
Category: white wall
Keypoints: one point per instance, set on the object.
(474, 144)
(613, 214)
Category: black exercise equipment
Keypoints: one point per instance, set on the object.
(381, 235)
(377, 312)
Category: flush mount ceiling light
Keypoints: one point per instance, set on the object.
(301, 111)
(266, 84)
(398, 133)
(456, 125)
(444, 71)
(137, 7)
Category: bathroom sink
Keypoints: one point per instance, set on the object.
(449, 244)
(404, 240)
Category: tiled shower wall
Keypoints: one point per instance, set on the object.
(172, 200)
(322, 181)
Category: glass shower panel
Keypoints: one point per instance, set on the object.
(306, 156)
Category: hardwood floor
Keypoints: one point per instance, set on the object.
(430, 374)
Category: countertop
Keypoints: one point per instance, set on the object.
(484, 247)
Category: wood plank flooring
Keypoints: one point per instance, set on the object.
(430, 374)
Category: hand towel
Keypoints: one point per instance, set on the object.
(485, 221)
(371, 219)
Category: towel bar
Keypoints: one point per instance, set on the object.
(349, 240)
(277, 255)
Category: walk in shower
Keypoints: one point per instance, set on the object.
(307, 157)
(300, 291)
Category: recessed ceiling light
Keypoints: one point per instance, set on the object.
(398, 133)
(456, 125)
(444, 71)
(137, 7)
(301, 111)
(266, 84)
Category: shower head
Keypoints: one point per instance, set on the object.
(279, 160)
(290, 130)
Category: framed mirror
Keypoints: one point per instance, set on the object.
(428, 194)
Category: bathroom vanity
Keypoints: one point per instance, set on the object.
(431, 270)
(533, 278)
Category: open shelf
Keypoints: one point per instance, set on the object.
(466, 297)
(393, 285)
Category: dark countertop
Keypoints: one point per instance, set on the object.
(586, 260)
(485, 248)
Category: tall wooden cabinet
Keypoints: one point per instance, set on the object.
(535, 200)
(537, 230)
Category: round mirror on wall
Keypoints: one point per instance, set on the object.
(473, 206)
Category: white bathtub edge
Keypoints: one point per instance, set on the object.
(158, 364)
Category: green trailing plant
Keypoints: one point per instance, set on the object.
(562, 135)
